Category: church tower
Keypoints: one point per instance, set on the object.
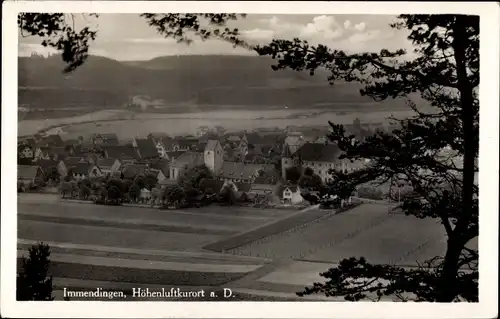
(213, 156)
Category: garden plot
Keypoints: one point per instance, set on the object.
(301, 241)
(386, 243)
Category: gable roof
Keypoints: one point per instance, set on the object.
(200, 147)
(146, 147)
(185, 142)
(27, 171)
(318, 152)
(188, 158)
(292, 188)
(82, 168)
(239, 170)
(72, 161)
(159, 164)
(211, 145)
(106, 162)
(120, 151)
(21, 147)
(167, 141)
(46, 164)
(174, 154)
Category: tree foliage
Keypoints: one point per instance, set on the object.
(434, 151)
(33, 279)
(293, 174)
(58, 31)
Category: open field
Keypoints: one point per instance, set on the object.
(124, 247)
(364, 231)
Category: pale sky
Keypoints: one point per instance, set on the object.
(128, 37)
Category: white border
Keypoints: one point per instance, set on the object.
(488, 241)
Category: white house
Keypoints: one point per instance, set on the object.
(145, 194)
(291, 195)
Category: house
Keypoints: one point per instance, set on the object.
(48, 167)
(321, 158)
(291, 195)
(109, 166)
(145, 195)
(85, 170)
(200, 147)
(211, 157)
(241, 172)
(104, 139)
(294, 141)
(41, 153)
(30, 175)
(164, 144)
(172, 155)
(146, 148)
(127, 160)
(26, 151)
(63, 166)
(185, 144)
(185, 162)
(121, 152)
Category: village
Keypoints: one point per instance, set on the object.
(265, 167)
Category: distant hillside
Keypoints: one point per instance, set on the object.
(198, 80)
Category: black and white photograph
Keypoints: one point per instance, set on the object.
(296, 156)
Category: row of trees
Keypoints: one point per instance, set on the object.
(107, 189)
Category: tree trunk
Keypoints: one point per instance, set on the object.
(448, 287)
(448, 281)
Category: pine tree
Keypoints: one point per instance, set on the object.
(33, 279)
(435, 151)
